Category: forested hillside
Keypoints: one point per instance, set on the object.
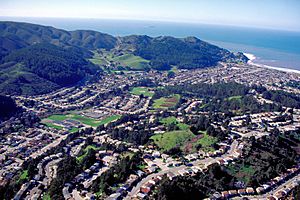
(187, 53)
(7, 107)
(41, 68)
(15, 35)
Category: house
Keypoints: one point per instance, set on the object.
(266, 186)
(216, 195)
(242, 191)
(171, 175)
(250, 190)
(225, 194)
(114, 196)
(182, 172)
(232, 192)
(151, 169)
(149, 162)
(152, 182)
(141, 195)
(260, 190)
(156, 154)
(271, 198)
(279, 194)
(221, 162)
(145, 190)
(140, 173)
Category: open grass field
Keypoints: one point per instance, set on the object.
(97, 59)
(169, 140)
(166, 102)
(206, 142)
(172, 120)
(58, 117)
(184, 139)
(110, 119)
(73, 116)
(132, 61)
(142, 90)
(85, 120)
(49, 124)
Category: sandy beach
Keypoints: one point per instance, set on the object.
(252, 58)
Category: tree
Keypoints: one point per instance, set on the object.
(171, 74)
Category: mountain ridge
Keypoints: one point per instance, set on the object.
(41, 52)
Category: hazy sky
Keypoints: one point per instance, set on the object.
(279, 14)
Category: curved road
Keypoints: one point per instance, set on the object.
(206, 162)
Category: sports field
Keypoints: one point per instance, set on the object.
(50, 121)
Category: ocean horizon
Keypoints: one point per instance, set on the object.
(275, 48)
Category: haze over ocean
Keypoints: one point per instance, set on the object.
(271, 47)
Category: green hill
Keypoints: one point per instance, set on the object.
(41, 68)
(187, 53)
(15, 35)
(36, 59)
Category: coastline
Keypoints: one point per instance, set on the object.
(252, 58)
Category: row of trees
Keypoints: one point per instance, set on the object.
(242, 105)
(203, 90)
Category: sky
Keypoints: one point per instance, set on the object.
(275, 14)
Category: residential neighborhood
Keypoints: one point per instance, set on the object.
(79, 121)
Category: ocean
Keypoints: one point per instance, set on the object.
(270, 47)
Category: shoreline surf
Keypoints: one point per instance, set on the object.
(252, 58)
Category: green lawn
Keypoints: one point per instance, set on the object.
(206, 142)
(23, 176)
(58, 117)
(203, 106)
(172, 120)
(168, 140)
(110, 119)
(85, 152)
(53, 125)
(132, 61)
(84, 120)
(234, 98)
(142, 90)
(166, 102)
(73, 130)
(46, 197)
